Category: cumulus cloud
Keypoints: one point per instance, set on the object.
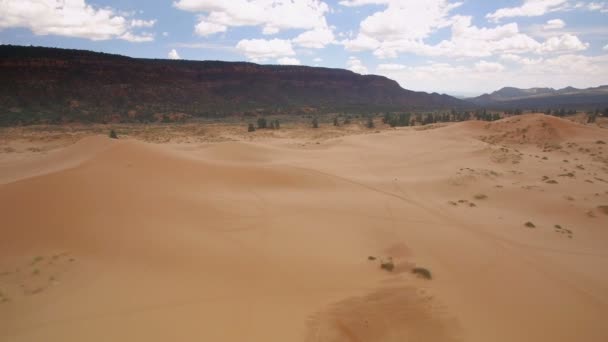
(261, 50)
(488, 67)
(353, 3)
(529, 8)
(559, 71)
(468, 40)
(566, 42)
(601, 7)
(273, 16)
(315, 39)
(391, 67)
(407, 22)
(142, 23)
(355, 64)
(554, 24)
(173, 54)
(288, 61)
(74, 18)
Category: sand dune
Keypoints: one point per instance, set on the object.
(268, 240)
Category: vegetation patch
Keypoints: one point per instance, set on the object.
(529, 224)
(422, 272)
(387, 265)
(480, 196)
(603, 209)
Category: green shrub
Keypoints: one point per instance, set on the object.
(113, 134)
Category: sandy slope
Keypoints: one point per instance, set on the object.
(269, 240)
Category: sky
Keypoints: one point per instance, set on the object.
(458, 47)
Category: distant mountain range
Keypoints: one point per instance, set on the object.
(57, 85)
(540, 98)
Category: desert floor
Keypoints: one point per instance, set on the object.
(209, 233)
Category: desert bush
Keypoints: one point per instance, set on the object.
(113, 134)
(422, 272)
(277, 124)
(480, 196)
(387, 265)
(371, 258)
(262, 123)
(315, 123)
(370, 123)
(529, 224)
(251, 128)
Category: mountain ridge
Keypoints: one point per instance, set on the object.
(568, 97)
(42, 84)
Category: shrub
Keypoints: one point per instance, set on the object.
(113, 134)
(370, 123)
(529, 224)
(277, 124)
(315, 123)
(251, 128)
(336, 123)
(371, 258)
(480, 196)
(422, 272)
(262, 123)
(387, 265)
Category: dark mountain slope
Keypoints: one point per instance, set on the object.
(541, 98)
(58, 85)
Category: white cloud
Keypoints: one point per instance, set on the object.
(137, 38)
(173, 54)
(72, 18)
(260, 50)
(288, 61)
(566, 42)
(317, 59)
(402, 22)
(142, 23)
(529, 8)
(468, 40)
(204, 28)
(355, 64)
(558, 72)
(391, 67)
(519, 59)
(353, 3)
(488, 67)
(554, 24)
(165, 34)
(605, 48)
(593, 6)
(273, 16)
(315, 39)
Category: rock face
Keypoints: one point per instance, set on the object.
(543, 98)
(58, 85)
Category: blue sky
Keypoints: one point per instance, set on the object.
(464, 47)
